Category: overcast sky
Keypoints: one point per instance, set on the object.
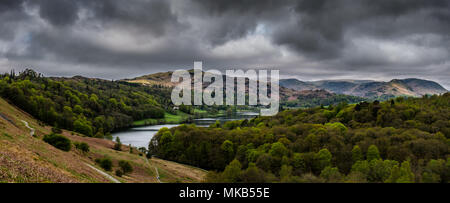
(309, 40)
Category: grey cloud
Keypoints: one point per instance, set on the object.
(318, 39)
(319, 28)
(78, 50)
(154, 16)
(9, 5)
(256, 7)
(11, 14)
(232, 20)
(323, 25)
(58, 13)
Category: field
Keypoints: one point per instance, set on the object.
(180, 117)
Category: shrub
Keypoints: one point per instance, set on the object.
(56, 130)
(125, 166)
(118, 145)
(84, 147)
(58, 141)
(6, 135)
(108, 136)
(99, 135)
(119, 173)
(105, 163)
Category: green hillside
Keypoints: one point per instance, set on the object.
(93, 107)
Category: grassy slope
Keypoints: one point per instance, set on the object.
(28, 159)
(168, 119)
(178, 118)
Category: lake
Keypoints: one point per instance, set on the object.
(141, 136)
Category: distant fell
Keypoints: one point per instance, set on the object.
(296, 94)
(370, 89)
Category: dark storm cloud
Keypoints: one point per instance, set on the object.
(321, 25)
(11, 13)
(58, 13)
(317, 39)
(81, 50)
(151, 16)
(7, 5)
(317, 28)
(236, 19)
(258, 7)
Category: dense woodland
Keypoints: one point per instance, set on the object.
(308, 101)
(93, 107)
(401, 140)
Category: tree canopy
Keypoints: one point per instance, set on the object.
(87, 106)
(406, 140)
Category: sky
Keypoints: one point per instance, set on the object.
(304, 39)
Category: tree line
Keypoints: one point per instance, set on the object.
(309, 101)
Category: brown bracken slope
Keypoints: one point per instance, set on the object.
(26, 158)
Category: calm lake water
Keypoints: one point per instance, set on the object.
(141, 136)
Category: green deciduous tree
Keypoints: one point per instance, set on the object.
(434, 170)
(373, 153)
(323, 159)
(264, 162)
(402, 174)
(278, 150)
(361, 167)
(253, 175)
(227, 148)
(285, 173)
(299, 163)
(232, 172)
(357, 154)
(331, 174)
(118, 144)
(82, 126)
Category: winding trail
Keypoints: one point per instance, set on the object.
(31, 129)
(104, 174)
(90, 166)
(157, 174)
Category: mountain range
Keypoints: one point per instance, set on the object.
(291, 89)
(368, 88)
(288, 96)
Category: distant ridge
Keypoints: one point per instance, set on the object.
(308, 97)
(370, 89)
